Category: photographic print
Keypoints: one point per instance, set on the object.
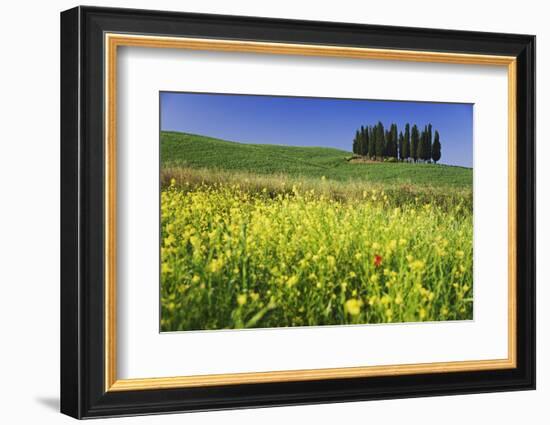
(281, 211)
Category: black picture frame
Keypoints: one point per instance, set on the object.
(83, 392)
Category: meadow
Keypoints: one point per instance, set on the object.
(201, 152)
(276, 236)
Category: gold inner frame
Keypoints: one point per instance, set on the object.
(113, 41)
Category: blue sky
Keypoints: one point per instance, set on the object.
(301, 121)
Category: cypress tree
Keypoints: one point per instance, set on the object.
(360, 143)
(392, 151)
(421, 150)
(429, 143)
(366, 142)
(379, 141)
(436, 148)
(401, 146)
(421, 142)
(407, 142)
(361, 140)
(427, 146)
(414, 143)
(356, 143)
(360, 136)
(371, 150)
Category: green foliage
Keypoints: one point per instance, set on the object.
(379, 143)
(365, 149)
(371, 153)
(415, 140)
(401, 146)
(422, 149)
(362, 141)
(429, 143)
(391, 150)
(387, 143)
(407, 142)
(356, 141)
(436, 149)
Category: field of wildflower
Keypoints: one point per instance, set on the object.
(248, 251)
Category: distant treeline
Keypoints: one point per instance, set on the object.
(376, 143)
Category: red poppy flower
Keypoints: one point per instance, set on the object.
(377, 260)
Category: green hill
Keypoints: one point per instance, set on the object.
(195, 151)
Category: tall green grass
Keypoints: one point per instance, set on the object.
(188, 178)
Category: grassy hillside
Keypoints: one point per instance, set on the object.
(194, 151)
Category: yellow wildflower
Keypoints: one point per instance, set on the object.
(292, 280)
(353, 306)
(216, 265)
(417, 265)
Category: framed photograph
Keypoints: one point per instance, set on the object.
(261, 212)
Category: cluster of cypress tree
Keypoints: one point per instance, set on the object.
(376, 143)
